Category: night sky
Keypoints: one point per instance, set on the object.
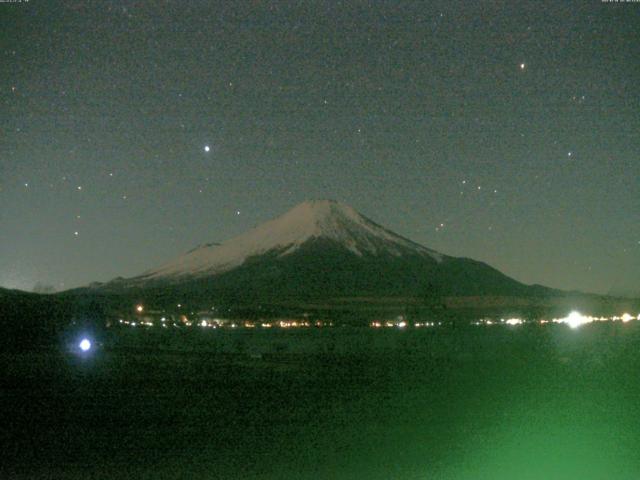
(132, 131)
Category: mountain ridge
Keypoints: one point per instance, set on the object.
(320, 249)
(311, 219)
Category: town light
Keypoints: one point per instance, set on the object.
(575, 319)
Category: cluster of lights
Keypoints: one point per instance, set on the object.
(222, 323)
(502, 321)
(400, 322)
(293, 323)
(207, 322)
(426, 324)
(573, 320)
(135, 324)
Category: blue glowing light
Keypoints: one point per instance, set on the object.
(85, 344)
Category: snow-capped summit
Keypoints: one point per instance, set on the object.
(323, 251)
(310, 220)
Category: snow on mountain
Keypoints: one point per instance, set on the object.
(320, 219)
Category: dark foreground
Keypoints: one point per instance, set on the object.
(484, 403)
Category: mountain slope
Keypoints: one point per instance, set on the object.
(321, 249)
(308, 221)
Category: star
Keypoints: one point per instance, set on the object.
(522, 66)
(207, 148)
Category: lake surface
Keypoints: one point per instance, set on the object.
(472, 403)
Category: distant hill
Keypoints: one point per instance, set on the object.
(625, 292)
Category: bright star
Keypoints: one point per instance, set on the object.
(85, 344)
(522, 65)
(207, 148)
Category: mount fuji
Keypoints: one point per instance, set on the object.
(310, 221)
(320, 250)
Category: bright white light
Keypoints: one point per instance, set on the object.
(575, 319)
(85, 344)
(207, 148)
(626, 317)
